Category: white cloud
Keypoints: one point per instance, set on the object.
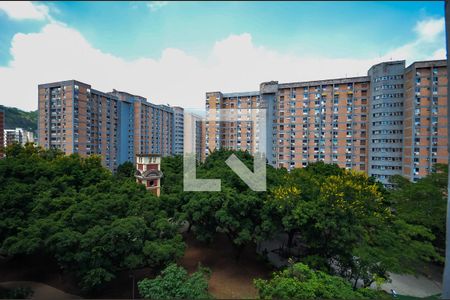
(155, 5)
(430, 29)
(24, 10)
(59, 52)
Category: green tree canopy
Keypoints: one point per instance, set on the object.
(298, 281)
(76, 211)
(175, 283)
(423, 202)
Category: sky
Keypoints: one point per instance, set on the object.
(175, 52)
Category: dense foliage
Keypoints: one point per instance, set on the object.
(16, 293)
(76, 211)
(16, 118)
(424, 202)
(345, 224)
(341, 220)
(298, 281)
(236, 210)
(175, 283)
(96, 224)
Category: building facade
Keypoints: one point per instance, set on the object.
(148, 172)
(194, 135)
(425, 120)
(386, 120)
(178, 136)
(237, 133)
(17, 135)
(75, 118)
(370, 123)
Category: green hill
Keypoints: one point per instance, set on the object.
(15, 117)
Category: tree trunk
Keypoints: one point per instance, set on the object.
(356, 282)
(189, 227)
(291, 235)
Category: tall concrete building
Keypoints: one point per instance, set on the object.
(145, 128)
(392, 121)
(178, 136)
(2, 137)
(425, 120)
(386, 120)
(234, 134)
(75, 118)
(18, 135)
(194, 134)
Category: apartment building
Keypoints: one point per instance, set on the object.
(17, 135)
(305, 121)
(178, 136)
(425, 120)
(392, 121)
(145, 128)
(153, 127)
(194, 135)
(2, 137)
(386, 120)
(236, 133)
(75, 118)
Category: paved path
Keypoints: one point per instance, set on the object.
(411, 285)
(41, 290)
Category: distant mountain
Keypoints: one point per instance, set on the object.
(16, 118)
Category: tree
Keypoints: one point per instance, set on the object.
(175, 283)
(93, 223)
(345, 224)
(236, 210)
(125, 170)
(423, 202)
(298, 281)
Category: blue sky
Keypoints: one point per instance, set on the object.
(131, 31)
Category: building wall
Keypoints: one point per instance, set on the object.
(194, 135)
(17, 135)
(386, 120)
(393, 121)
(305, 121)
(178, 136)
(238, 131)
(425, 124)
(77, 119)
(153, 128)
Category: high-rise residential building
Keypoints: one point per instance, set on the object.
(178, 136)
(425, 120)
(386, 120)
(2, 137)
(233, 134)
(126, 131)
(145, 128)
(75, 118)
(392, 121)
(194, 135)
(18, 135)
